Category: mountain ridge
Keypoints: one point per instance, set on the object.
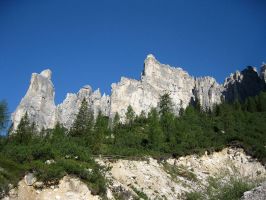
(142, 94)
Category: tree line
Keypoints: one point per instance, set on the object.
(162, 132)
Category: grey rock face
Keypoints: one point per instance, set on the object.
(67, 111)
(208, 92)
(241, 85)
(41, 109)
(258, 193)
(158, 79)
(38, 102)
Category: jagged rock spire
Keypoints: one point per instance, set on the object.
(38, 102)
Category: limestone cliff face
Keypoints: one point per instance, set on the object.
(241, 85)
(67, 111)
(156, 79)
(208, 92)
(38, 102)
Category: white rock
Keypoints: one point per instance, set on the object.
(38, 102)
(30, 179)
(156, 79)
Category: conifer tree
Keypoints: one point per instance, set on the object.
(24, 130)
(155, 133)
(165, 104)
(58, 132)
(116, 120)
(167, 117)
(83, 122)
(141, 119)
(100, 131)
(3, 114)
(262, 102)
(237, 105)
(115, 126)
(130, 115)
(251, 105)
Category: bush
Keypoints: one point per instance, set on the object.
(217, 189)
(18, 153)
(48, 173)
(10, 173)
(42, 152)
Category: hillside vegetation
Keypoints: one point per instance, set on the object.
(159, 134)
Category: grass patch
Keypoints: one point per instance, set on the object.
(217, 189)
(140, 194)
(182, 171)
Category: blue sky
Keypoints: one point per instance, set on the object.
(97, 42)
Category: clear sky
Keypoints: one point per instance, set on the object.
(97, 42)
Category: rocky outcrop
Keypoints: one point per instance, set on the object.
(172, 178)
(156, 79)
(241, 85)
(157, 179)
(38, 102)
(67, 111)
(258, 193)
(69, 188)
(208, 92)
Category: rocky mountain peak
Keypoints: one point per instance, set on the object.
(47, 74)
(84, 92)
(151, 65)
(142, 95)
(38, 102)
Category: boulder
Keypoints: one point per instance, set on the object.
(30, 179)
(258, 193)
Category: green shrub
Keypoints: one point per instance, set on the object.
(42, 152)
(18, 153)
(217, 189)
(175, 171)
(47, 173)
(10, 173)
(140, 194)
(194, 196)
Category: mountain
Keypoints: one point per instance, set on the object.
(156, 79)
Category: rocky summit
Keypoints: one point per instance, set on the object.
(156, 79)
(38, 102)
